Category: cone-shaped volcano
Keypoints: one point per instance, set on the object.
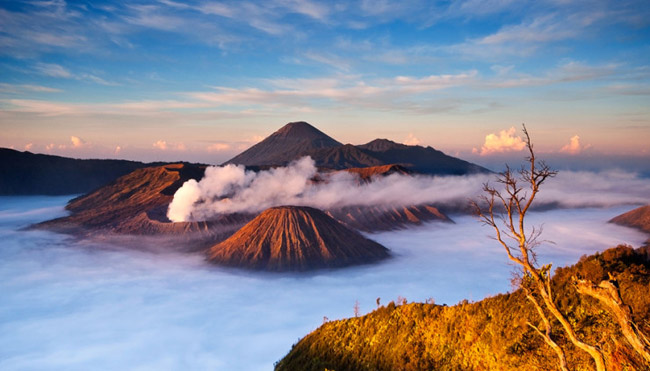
(295, 238)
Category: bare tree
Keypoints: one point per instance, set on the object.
(607, 292)
(505, 210)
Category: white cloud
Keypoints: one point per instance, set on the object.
(77, 142)
(574, 146)
(29, 146)
(117, 150)
(505, 141)
(411, 140)
(161, 145)
(53, 70)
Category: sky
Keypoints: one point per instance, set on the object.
(204, 80)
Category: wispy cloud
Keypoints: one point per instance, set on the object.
(26, 88)
(58, 71)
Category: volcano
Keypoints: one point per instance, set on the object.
(136, 204)
(295, 238)
(299, 139)
(292, 141)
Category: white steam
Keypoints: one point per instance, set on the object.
(231, 189)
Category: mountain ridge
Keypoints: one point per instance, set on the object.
(298, 139)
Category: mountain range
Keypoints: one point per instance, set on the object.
(298, 139)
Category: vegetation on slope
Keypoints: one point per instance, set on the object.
(491, 334)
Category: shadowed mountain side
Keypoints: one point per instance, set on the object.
(137, 204)
(420, 159)
(291, 142)
(638, 218)
(492, 334)
(343, 157)
(293, 238)
(26, 173)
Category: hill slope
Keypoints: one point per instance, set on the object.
(26, 173)
(638, 218)
(420, 159)
(491, 334)
(292, 238)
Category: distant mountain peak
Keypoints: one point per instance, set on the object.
(292, 141)
(300, 129)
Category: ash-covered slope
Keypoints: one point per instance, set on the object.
(291, 142)
(137, 204)
(26, 173)
(293, 238)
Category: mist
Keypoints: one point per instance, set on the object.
(79, 305)
(232, 189)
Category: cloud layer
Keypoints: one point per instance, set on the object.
(74, 305)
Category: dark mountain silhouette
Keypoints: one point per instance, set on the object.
(491, 334)
(420, 159)
(291, 142)
(26, 173)
(298, 139)
(136, 204)
(293, 238)
(638, 218)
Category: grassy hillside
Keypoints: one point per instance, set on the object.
(488, 335)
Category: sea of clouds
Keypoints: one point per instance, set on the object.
(82, 305)
(231, 188)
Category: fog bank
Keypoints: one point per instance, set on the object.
(86, 306)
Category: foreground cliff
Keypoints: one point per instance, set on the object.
(491, 334)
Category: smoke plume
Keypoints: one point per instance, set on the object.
(230, 189)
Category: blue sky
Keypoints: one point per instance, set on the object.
(202, 80)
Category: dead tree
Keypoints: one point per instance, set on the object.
(505, 211)
(607, 292)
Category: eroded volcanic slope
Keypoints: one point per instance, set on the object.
(137, 204)
(294, 238)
